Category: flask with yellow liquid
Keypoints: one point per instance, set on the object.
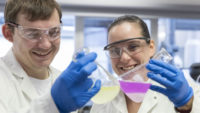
(109, 84)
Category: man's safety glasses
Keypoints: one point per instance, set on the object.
(131, 46)
(35, 34)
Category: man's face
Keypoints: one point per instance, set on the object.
(134, 52)
(35, 54)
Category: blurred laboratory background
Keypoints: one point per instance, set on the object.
(174, 25)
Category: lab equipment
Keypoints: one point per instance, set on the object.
(109, 84)
(134, 82)
(195, 71)
(73, 89)
(134, 90)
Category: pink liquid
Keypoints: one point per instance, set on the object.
(134, 90)
(134, 87)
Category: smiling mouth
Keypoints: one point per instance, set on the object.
(127, 68)
(42, 53)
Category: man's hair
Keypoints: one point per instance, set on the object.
(32, 9)
(131, 19)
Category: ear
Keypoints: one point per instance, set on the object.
(7, 33)
(152, 48)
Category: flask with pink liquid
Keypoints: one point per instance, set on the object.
(134, 83)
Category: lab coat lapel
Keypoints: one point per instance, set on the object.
(149, 102)
(28, 88)
(20, 75)
(119, 104)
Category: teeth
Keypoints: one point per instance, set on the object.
(128, 68)
(39, 53)
(42, 53)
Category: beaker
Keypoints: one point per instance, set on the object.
(109, 84)
(134, 82)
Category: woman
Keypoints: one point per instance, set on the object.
(129, 45)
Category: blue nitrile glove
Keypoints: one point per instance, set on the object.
(176, 86)
(72, 89)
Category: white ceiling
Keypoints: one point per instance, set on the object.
(129, 2)
(154, 8)
(134, 3)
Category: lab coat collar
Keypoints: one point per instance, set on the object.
(21, 76)
(12, 63)
(149, 102)
(119, 103)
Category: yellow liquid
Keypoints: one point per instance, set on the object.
(106, 94)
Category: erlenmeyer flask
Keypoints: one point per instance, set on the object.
(134, 82)
(109, 84)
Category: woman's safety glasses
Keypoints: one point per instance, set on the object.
(131, 46)
(35, 34)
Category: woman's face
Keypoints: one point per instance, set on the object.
(134, 52)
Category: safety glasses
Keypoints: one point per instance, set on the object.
(131, 46)
(36, 34)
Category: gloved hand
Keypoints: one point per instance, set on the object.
(176, 86)
(72, 89)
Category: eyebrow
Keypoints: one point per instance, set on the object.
(117, 42)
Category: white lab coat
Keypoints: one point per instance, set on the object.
(153, 103)
(17, 93)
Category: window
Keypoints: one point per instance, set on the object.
(64, 56)
(181, 38)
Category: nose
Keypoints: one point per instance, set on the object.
(125, 56)
(44, 42)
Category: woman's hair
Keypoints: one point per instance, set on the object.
(131, 19)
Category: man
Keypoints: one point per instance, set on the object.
(26, 77)
(130, 45)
